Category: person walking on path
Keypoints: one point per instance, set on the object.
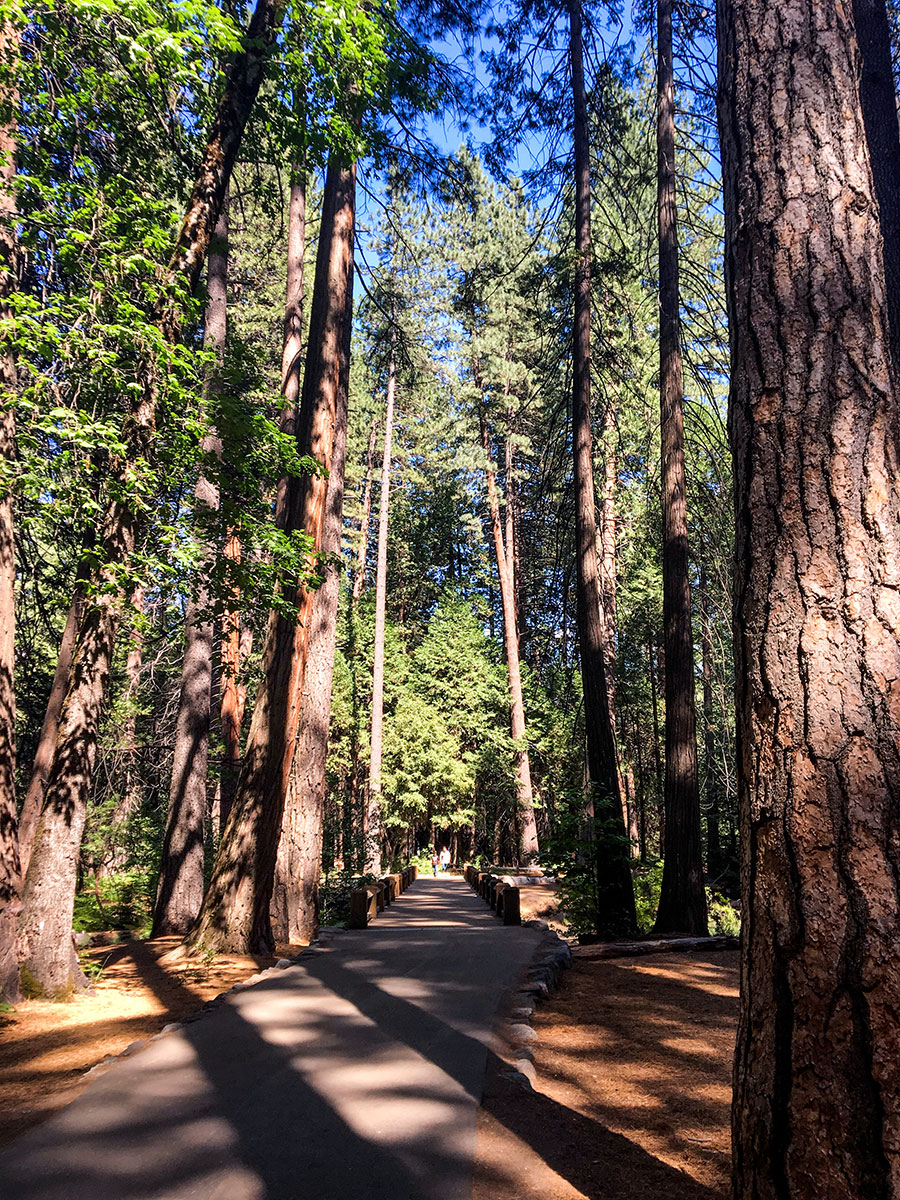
(434, 863)
(445, 859)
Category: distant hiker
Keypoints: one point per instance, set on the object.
(445, 859)
(434, 863)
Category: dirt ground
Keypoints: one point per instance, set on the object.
(46, 1048)
(633, 1086)
(538, 903)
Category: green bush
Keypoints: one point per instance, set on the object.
(724, 919)
(647, 886)
(123, 901)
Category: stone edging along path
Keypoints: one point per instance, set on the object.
(513, 1029)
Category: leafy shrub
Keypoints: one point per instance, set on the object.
(724, 919)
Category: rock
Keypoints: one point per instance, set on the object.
(520, 1034)
(80, 939)
(283, 963)
(517, 1079)
(526, 1067)
(172, 1027)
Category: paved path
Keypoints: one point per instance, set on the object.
(355, 1075)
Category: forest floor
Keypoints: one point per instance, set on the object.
(633, 1086)
(46, 1048)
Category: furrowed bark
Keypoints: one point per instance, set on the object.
(10, 868)
(232, 689)
(235, 913)
(528, 836)
(359, 578)
(682, 900)
(43, 759)
(179, 892)
(813, 423)
(878, 97)
(373, 803)
(292, 329)
(615, 894)
(45, 924)
(295, 898)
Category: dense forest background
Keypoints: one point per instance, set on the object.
(464, 295)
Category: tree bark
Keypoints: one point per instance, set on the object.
(34, 797)
(878, 97)
(129, 802)
(682, 900)
(713, 838)
(373, 806)
(45, 925)
(10, 868)
(232, 689)
(360, 576)
(527, 825)
(813, 424)
(180, 890)
(615, 893)
(292, 328)
(235, 913)
(298, 867)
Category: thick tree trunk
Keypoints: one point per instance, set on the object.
(180, 890)
(878, 96)
(682, 900)
(360, 576)
(235, 913)
(43, 759)
(373, 806)
(615, 893)
(527, 825)
(294, 908)
(45, 924)
(814, 430)
(10, 870)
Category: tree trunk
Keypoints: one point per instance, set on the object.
(713, 839)
(373, 807)
(45, 925)
(360, 576)
(292, 328)
(878, 97)
(814, 431)
(180, 890)
(682, 900)
(235, 913)
(615, 893)
(527, 825)
(294, 908)
(10, 869)
(232, 689)
(34, 797)
(129, 802)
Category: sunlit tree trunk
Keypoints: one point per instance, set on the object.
(527, 825)
(815, 436)
(373, 806)
(295, 897)
(45, 924)
(180, 890)
(615, 893)
(359, 578)
(235, 913)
